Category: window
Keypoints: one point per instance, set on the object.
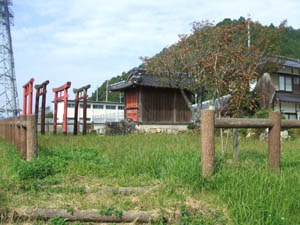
(87, 119)
(98, 106)
(120, 107)
(296, 80)
(71, 105)
(88, 106)
(112, 107)
(290, 116)
(285, 83)
(281, 83)
(288, 84)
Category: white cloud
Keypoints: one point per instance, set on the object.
(88, 41)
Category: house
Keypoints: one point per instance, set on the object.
(99, 112)
(150, 101)
(281, 90)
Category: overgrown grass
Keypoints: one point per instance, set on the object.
(246, 190)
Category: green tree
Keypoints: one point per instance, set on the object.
(216, 60)
(112, 96)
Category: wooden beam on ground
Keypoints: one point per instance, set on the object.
(88, 215)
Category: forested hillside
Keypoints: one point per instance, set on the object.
(290, 47)
(112, 96)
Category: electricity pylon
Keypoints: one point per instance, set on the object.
(9, 102)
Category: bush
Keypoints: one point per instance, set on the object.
(191, 126)
(39, 168)
(243, 132)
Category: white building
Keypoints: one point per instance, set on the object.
(98, 112)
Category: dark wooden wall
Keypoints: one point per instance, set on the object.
(162, 105)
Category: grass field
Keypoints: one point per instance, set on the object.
(70, 170)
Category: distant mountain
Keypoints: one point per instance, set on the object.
(290, 45)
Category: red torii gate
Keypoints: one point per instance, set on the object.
(28, 90)
(80, 93)
(61, 96)
(41, 90)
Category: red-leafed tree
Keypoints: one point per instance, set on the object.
(217, 60)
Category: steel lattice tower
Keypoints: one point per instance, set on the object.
(9, 102)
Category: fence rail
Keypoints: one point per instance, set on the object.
(22, 132)
(209, 123)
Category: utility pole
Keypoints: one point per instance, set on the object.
(97, 94)
(249, 35)
(9, 102)
(107, 91)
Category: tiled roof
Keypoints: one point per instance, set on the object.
(139, 77)
(292, 63)
(288, 97)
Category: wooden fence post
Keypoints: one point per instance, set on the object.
(17, 130)
(78, 126)
(31, 126)
(9, 131)
(92, 126)
(12, 130)
(23, 143)
(208, 142)
(5, 130)
(1, 130)
(274, 141)
(47, 126)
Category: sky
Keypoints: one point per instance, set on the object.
(90, 41)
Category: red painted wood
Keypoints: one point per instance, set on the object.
(28, 90)
(132, 105)
(61, 93)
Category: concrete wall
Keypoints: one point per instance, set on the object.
(91, 112)
(161, 128)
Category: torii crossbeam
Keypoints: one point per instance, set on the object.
(28, 91)
(61, 93)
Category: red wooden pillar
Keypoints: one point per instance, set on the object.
(84, 112)
(75, 131)
(80, 94)
(55, 113)
(58, 96)
(41, 90)
(28, 90)
(65, 119)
